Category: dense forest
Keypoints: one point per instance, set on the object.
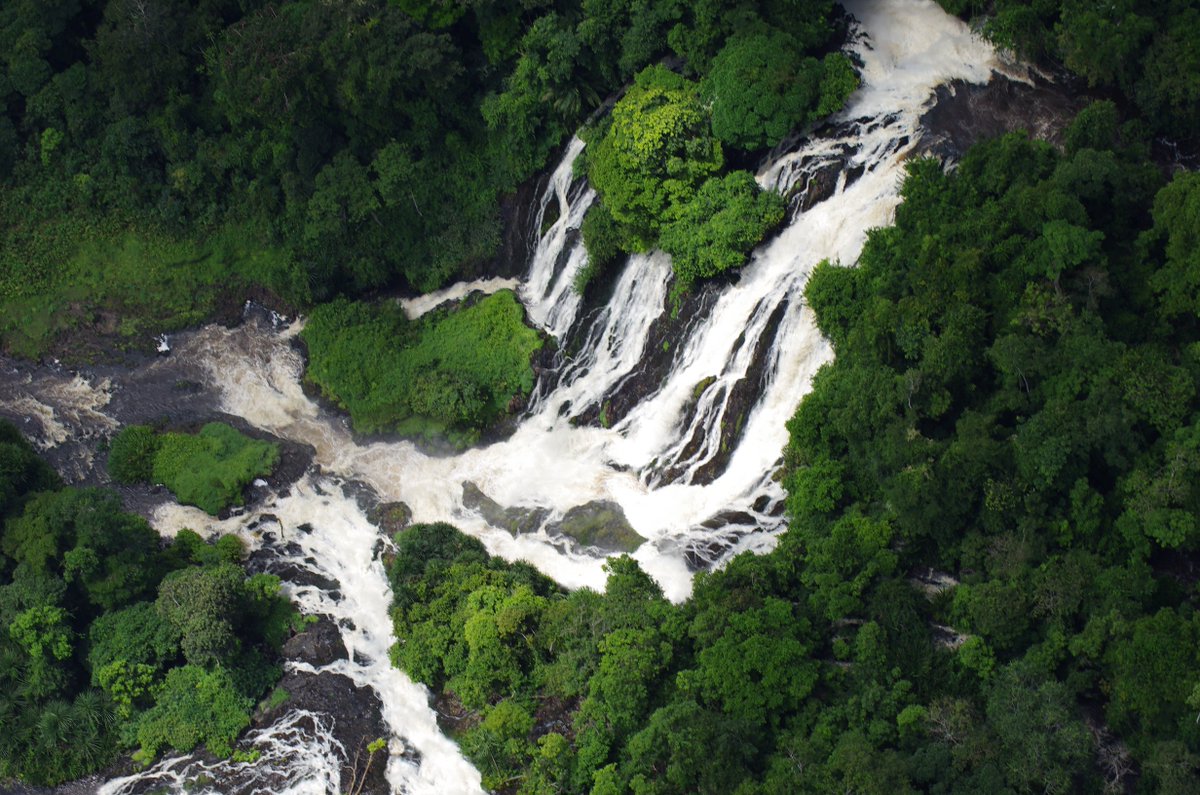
(161, 158)
(988, 583)
(115, 640)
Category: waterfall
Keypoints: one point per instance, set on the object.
(691, 463)
(692, 466)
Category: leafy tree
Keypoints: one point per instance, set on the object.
(759, 669)
(21, 471)
(1176, 219)
(195, 706)
(501, 739)
(761, 87)
(655, 154)
(83, 536)
(1044, 746)
(136, 635)
(201, 605)
(45, 636)
(716, 229)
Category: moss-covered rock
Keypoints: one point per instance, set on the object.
(600, 524)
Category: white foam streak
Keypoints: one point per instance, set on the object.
(415, 307)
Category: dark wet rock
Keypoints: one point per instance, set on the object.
(600, 525)
(391, 517)
(730, 517)
(816, 187)
(355, 712)
(453, 717)
(363, 495)
(666, 339)
(555, 714)
(965, 113)
(703, 554)
(318, 645)
(267, 561)
(742, 399)
(516, 520)
(518, 215)
(263, 519)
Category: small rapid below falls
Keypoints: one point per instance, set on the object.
(692, 464)
(318, 529)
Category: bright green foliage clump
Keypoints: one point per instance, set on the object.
(194, 706)
(655, 154)
(718, 227)
(209, 469)
(110, 641)
(657, 161)
(448, 374)
(761, 86)
(131, 454)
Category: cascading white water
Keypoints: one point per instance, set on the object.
(908, 47)
(649, 461)
(324, 532)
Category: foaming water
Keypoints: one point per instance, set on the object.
(318, 529)
(650, 462)
(298, 755)
(415, 307)
(62, 406)
(692, 470)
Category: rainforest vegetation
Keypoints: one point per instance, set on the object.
(161, 159)
(988, 582)
(209, 469)
(115, 640)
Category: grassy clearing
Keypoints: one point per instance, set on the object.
(209, 469)
(119, 279)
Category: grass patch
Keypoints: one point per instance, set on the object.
(277, 697)
(209, 469)
(121, 278)
(448, 375)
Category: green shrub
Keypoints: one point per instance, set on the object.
(448, 375)
(210, 469)
(131, 454)
(605, 241)
(194, 706)
(839, 79)
(655, 155)
(760, 87)
(717, 229)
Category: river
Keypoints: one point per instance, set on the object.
(688, 450)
